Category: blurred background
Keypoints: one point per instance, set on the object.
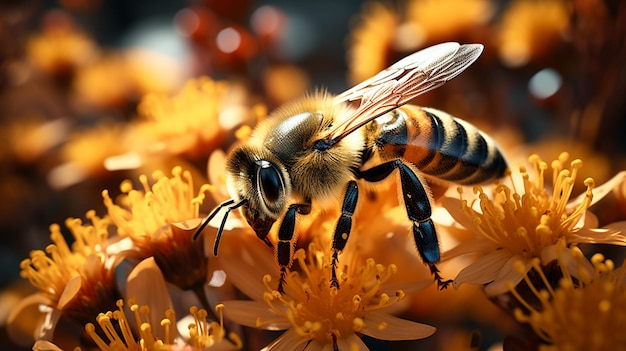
(93, 92)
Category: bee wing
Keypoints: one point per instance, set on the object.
(406, 79)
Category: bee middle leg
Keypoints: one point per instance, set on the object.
(286, 239)
(418, 210)
(343, 228)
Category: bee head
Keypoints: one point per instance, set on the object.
(259, 178)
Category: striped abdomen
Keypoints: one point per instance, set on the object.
(439, 145)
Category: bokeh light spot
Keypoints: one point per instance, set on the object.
(544, 83)
(228, 40)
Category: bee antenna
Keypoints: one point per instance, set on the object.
(214, 213)
(230, 205)
(210, 217)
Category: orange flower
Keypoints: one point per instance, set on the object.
(517, 226)
(72, 282)
(313, 313)
(530, 29)
(161, 220)
(586, 313)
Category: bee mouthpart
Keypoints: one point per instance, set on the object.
(262, 227)
(260, 222)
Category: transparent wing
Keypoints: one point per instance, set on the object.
(406, 79)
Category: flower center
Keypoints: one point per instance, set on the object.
(562, 316)
(118, 329)
(142, 215)
(526, 223)
(324, 313)
(50, 271)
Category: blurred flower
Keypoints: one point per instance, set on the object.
(61, 47)
(371, 41)
(529, 29)
(116, 79)
(27, 140)
(195, 120)
(161, 220)
(519, 226)
(314, 313)
(105, 83)
(284, 82)
(154, 72)
(72, 282)
(84, 153)
(461, 16)
(576, 314)
(384, 34)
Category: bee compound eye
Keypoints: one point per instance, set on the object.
(269, 182)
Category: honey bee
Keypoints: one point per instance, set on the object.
(311, 149)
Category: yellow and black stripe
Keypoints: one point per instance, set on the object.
(439, 145)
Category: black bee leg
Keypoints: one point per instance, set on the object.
(287, 240)
(344, 225)
(418, 210)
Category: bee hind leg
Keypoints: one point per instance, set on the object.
(441, 283)
(343, 228)
(418, 209)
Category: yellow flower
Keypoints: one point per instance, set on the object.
(27, 141)
(371, 41)
(195, 120)
(72, 282)
(105, 83)
(60, 48)
(530, 29)
(118, 331)
(577, 314)
(316, 315)
(522, 225)
(161, 220)
(461, 16)
(84, 153)
(117, 79)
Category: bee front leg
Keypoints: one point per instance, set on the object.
(287, 240)
(343, 228)
(418, 209)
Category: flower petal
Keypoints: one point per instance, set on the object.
(479, 244)
(27, 318)
(394, 328)
(69, 292)
(147, 286)
(246, 260)
(484, 270)
(349, 342)
(618, 226)
(43, 345)
(598, 192)
(248, 312)
(288, 341)
(579, 267)
(455, 208)
(612, 234)
(587, 220)
(508, 275)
